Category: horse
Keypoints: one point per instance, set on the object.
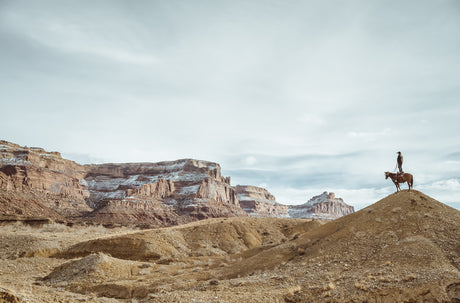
(400, 178)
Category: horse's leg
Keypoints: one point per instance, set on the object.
(397, 186)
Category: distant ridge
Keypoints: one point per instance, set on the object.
(144, 194)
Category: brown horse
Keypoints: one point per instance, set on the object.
(400, 178)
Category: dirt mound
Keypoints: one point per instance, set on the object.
(93, 267)
(98, 273)
(213, 237)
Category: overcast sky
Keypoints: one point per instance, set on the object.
(299, 97)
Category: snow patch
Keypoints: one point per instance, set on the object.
(189, 190)
(14, 161)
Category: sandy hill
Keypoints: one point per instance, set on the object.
(404, 248)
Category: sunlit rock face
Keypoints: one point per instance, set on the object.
(40, 176)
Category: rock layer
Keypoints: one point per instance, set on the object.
(35, 182)
(325, 206)
(194, 189)
(258, 202)
(33, 173)
(161, 193)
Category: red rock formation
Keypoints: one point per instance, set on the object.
(35, 172)
(160, 189)
(162, 193)
(325, 206)
(194, 189)
(258, 202)
(217, 190)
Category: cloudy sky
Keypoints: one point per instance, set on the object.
(299, 97)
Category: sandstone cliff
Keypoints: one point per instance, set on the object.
(36, 182)
(54, 182)
(161, 193)
(258, 202)
(194, 189)
(325, 206)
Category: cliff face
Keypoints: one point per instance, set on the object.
(36, 182)
(325, 206)
(194, 189)
(34, 172)
(161, 193)
(258, 202)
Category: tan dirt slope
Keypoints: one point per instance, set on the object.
(404, 248)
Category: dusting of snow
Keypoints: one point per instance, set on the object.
(244, 197)
(49, 156)
(306, 213)
(171, 167)
(83, 182)
(103, 186)
(115, 195)
(324, 197)
(14, 161)
(189, 190)
(5, 147)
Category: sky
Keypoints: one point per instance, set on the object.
(298, 97)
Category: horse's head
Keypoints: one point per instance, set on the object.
(387, 174)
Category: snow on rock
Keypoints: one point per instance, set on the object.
(325, 206)
(258, 202)
(185, 177)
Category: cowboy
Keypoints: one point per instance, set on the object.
(400, 162)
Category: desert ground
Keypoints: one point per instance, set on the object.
(404, 248)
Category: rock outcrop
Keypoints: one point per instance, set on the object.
(34, 174)
(258, 202)
(194, 189)
(325, 206)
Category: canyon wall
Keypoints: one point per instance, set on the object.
(34, 181)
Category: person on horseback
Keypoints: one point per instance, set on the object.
(399, 162)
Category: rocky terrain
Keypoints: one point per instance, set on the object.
(37, 183)
(403, 248)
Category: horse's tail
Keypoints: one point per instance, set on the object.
(411, 181)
